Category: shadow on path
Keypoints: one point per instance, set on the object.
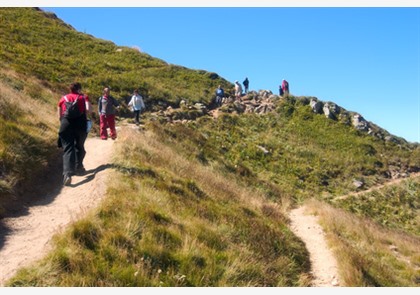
(43, 194)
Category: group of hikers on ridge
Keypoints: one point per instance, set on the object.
(239, 91)
(74, 110)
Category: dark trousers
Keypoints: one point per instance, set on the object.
(73, 136)
(137, 116)
(218, 101)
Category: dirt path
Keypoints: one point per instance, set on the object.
(27, 237)
(306, 226)
(377, 187)
(324, 265)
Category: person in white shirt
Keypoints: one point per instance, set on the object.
(238, 91)
(137, 105)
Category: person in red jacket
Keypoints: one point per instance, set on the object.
(106, 109)
(285, 87)
(73, 131)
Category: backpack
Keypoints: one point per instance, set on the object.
(72, 109)
(219, 92)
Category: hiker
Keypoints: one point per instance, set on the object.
(238, 90)
(73, 131)
(281, 90)
(285, 87)
(137, 105)
(107, 105)
(220, 93)
(246, 84)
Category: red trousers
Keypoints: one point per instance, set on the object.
(107, 121)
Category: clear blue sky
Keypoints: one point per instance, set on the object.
(365, 59)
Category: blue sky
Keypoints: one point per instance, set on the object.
(365, 59)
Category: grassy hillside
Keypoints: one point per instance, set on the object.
(28, 135)
(203, 203)
(40, 56)
(174, 216)
(60, 55)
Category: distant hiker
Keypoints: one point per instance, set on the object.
(246, 84)
(281, 90)
(137, 104)
(220, 93)
(285, 87)
(107, 112)
(238, 90)
(72, 112)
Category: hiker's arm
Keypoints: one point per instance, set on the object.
(59, 113)
(88, 108)
(116, 103)
(99, 106)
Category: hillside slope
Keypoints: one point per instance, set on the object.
(40, 56)
(202, 201)
(26, 236)
(37, 43)
(29, 236)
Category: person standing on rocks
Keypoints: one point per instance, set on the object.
(107, 105)
(72, 112)
(220, 93)
(238, 90)
(246, 85)
(285, 87)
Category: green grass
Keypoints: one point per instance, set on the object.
(396, 207)
(169, 221)
(27, 47)
(370, 254)
(28, 133)
(200, 203)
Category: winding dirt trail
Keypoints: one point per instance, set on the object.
(26, 237)
(324, 264)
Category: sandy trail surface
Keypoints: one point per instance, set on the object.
(26, 238)
(324, 265)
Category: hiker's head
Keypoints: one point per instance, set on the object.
(75, 87)
(136, 91)
(107, 90)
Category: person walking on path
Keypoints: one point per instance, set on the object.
(220, 93)
(72, 112)
(137, 105)
(238, 90)
(285, 87)
(107, 105)
(246, 85)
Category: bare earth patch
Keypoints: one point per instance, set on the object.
(324, 265)
(27, 237)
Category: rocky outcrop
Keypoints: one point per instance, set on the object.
(264, 101)
(360, 123)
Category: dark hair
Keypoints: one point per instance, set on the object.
(75, 87)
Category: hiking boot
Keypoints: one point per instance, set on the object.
(80, 171)
(67, 179)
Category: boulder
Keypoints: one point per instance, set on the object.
(316, 106)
